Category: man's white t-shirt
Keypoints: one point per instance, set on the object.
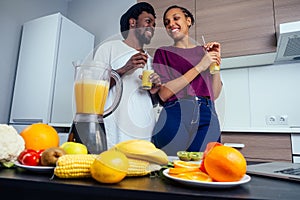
(134, 118)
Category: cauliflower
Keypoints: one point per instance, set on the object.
(11, 145)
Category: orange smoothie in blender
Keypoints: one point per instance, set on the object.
(90, 96)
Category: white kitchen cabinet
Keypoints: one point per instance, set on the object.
(43, 90)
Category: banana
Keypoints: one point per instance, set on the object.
(142, 150)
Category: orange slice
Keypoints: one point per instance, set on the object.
(196, 176)
(185, 164)
(180, 170)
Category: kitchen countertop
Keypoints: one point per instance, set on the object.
(289, 130)
(19, 183)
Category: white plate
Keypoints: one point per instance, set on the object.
(35, 168)
(244, 180)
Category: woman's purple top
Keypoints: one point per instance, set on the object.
(170, 62)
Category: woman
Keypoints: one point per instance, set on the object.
(189, 120)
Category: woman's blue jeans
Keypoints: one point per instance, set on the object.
(186, 125)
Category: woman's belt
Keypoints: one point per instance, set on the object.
(199, 99)
(202, 99)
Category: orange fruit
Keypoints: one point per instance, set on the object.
(40, 136)
(185, 164)
(110, 167)
(226, 164)
(209, 147)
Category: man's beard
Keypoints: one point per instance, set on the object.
(142, 35)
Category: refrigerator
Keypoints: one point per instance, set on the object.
(43, 89)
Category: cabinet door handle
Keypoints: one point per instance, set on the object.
(27, 121)
(235, 145)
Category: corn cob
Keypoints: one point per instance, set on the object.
(74, 166)
(78, 166)
(140, 167)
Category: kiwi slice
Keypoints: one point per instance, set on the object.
(183, 155)
(187, 156)
(196, 156)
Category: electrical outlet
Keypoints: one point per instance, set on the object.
(271, 120)
(283, 120)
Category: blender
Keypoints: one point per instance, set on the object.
(91, 88)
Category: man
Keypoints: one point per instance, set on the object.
(134, 118)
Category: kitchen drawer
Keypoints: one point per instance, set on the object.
(295, 143)
(262, 146)
(296, 159)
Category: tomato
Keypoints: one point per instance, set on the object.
(209, 147)
(29, 157)
(40, 151)
(23, 153)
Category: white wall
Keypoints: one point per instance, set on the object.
(233, 105)
(100, 17)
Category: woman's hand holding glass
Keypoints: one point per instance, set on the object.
(214, 47)
(155, 79)
(208, 59)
